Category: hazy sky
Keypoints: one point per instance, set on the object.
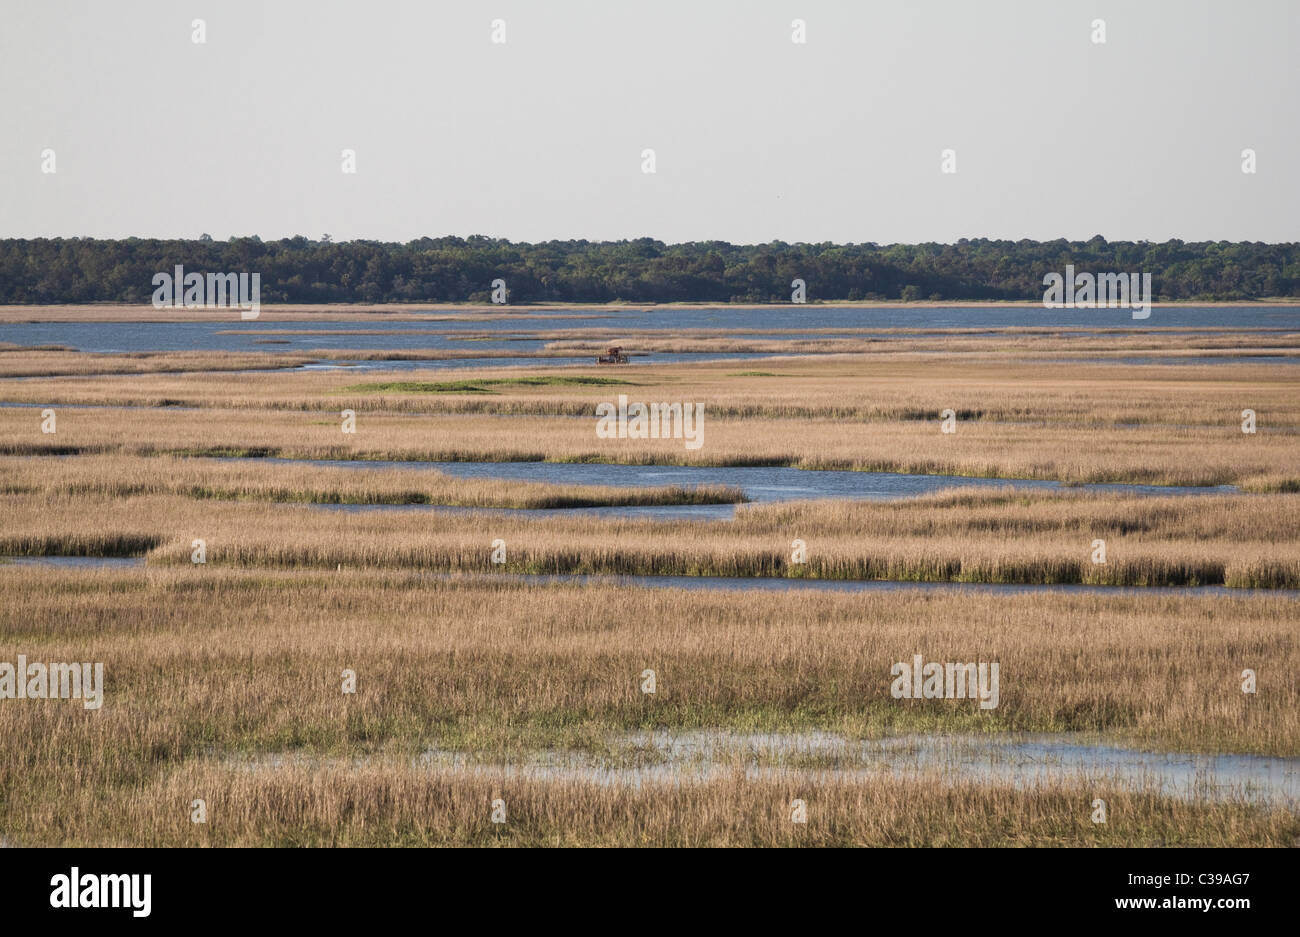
(756, 138)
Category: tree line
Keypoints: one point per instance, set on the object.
(461, 270)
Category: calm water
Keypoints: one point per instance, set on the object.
(808, 758)
(758, 483)
(74, 562)
(237, 335)
(658, 512)
(1020, 761)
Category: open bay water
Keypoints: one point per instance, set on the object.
(451, 335)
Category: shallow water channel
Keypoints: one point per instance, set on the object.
(1017, 761)
(759, 483)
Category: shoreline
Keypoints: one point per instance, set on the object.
(288, 312)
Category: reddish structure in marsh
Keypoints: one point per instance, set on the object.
(613, 356)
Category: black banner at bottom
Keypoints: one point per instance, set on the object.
(143, 888)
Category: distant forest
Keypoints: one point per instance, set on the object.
(461, 270)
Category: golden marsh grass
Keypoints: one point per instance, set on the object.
(207, 668)
(223, 679)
